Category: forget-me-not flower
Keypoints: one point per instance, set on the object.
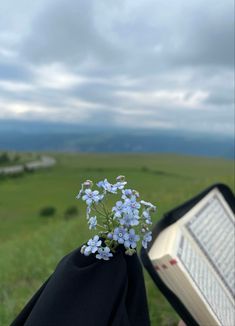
(118, 209)
(124, 224)
(119, 235)
(93, 244)
(147, 216)
(85, 185)
(133, 205)
(91, 197)
(104, 253)
(126, 193)
(92, 222)
(129, 219)
(120, 184)
(132, 239)
(147, 238)
(110, 235)
(107, 186)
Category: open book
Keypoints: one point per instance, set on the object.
(194, 258)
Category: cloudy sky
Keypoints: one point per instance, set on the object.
(142, 64)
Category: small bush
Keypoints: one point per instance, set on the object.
(144, 168)
(4, 158)
(71, 212)
(48, 211)
(16, 175)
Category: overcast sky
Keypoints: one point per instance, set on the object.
(143, 64)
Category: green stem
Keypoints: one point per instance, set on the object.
(99, 212)
(105, 211)
(102, 227)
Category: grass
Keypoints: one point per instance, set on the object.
(31, 245)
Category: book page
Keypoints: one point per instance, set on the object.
(206, 282)
(212, 228)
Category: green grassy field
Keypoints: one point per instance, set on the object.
(31, 245)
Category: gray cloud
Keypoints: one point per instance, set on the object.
(221, 98)
(67, 33)
(147, 63)
(14, 71)
(130, 38)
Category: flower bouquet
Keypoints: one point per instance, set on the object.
(126, 223)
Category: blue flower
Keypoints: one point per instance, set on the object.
(134, 220)
(92, 222)
(93, 244)
(132, 204)
(147, 216)
(118, 209)
(85, 185)
(104, 253)
(110, 235)
(126, 193)
(86, 250)
(107, 186)
(125, 224)
(126, 220)
(129, 219)
(147, 238)
(119, 235)
(91, 196)
(120, 184)
(131, 239)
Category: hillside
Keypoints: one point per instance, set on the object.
(38, 136)
(31, 245)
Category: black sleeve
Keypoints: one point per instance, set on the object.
(88, 292)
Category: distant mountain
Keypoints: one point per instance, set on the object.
(41, 136)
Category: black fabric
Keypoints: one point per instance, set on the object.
(88, 292)
(168, 219)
